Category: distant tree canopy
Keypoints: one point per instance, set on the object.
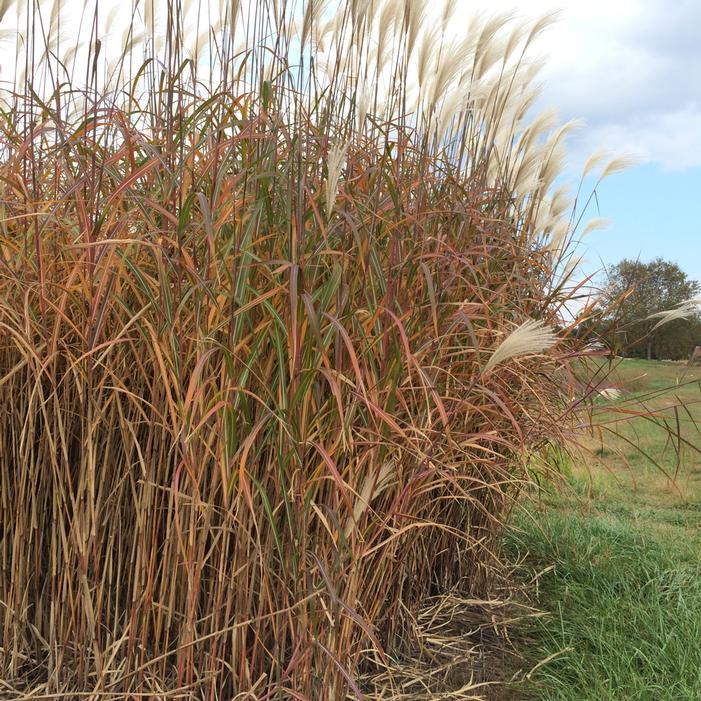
(641, 289)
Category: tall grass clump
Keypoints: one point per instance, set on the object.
(278, 289)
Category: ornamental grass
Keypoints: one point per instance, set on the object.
(281, 322)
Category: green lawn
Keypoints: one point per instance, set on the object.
(616, 554)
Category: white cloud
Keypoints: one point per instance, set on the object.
(672, 139)
(630, 69)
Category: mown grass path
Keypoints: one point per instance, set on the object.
(617, 558)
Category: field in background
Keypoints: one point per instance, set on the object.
(616, 554)
(665, 435)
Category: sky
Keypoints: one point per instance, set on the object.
(631, 69)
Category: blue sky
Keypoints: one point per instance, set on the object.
(653, 212)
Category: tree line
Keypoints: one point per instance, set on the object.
(634, 292)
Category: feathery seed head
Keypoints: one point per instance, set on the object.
(544, 122)
(414, 11)
(617, 165)
(363, 105)
(593, 160)
(385, 26)
(541, 24)
(5, 5)
(558, 236)
(336, 158)
(488, 56)
(513, 41)
(527, 339)
(426, 57)
(560, 201)
(449, 67)
(448, 11)
(595, 224)
(489, 28)
(450, 108)
(685, 310)
(372, 486)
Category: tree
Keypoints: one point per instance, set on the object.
(634, 292)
